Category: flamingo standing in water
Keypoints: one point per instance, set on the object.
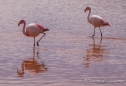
(33, 30)
(96, 20)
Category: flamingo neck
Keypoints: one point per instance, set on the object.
(24, 30)
(88, 17)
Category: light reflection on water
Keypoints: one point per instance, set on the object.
(69, 54)
(32, 65)
(95, 54)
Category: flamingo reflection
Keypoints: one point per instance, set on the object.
(94, 54)
(32, 66)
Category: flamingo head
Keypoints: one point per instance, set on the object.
(88, 8)
(21, 22)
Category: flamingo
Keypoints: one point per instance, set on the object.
(33, 30)
(96, 21)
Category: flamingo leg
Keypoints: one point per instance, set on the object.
(34, 41)
(33, 51)
(100, 32)
(94, 32)
(40, 39)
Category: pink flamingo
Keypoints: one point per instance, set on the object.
(33, 30)
(96, 20)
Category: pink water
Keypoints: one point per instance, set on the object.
(67, 55)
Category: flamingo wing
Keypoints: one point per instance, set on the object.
(40, 26)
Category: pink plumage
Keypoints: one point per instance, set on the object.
(96, 20)
(33, 30)
(40, 26)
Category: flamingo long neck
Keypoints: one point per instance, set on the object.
(24, 30)
(89, 16)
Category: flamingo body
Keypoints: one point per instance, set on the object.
(33, 30)
(96, 20)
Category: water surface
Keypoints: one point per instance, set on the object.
(67, 55)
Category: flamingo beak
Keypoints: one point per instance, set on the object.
(85, 10)
(19, 23)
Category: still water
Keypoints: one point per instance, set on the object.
(67, 55)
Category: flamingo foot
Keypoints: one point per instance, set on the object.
(37, 44)
(92, 35)
(101, 34)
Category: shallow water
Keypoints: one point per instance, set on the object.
(67, 55)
